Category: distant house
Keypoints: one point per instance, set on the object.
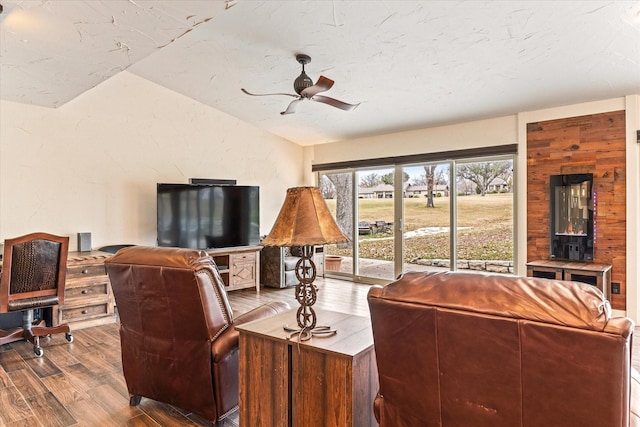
(365, 193)
(439, 190)
(380, 191)
(385, 191)
(498, 185)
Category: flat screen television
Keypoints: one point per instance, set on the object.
(208, 216)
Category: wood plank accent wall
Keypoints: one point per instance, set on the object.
(587, 144)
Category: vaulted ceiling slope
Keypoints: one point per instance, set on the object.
(410, 64)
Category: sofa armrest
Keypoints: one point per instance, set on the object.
(266, 310)
(228, 340)
(620, 326)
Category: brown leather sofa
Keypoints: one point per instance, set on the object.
(179, 344)
(465, 349)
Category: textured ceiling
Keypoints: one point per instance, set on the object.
(410, 64)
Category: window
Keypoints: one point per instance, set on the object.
(433, 215)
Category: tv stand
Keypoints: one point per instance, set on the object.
(238, 266)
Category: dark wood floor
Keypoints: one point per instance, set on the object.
(81, 383)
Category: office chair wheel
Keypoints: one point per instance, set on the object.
(68, 337)
(38, 351)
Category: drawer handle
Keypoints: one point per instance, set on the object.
(85, 271)
(85, 312)
(85, 291)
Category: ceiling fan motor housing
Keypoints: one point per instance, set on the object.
(302, 82)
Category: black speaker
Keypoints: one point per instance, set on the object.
(84, 242)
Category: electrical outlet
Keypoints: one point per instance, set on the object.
(615, 288)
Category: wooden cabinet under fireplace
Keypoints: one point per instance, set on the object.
(598, 275)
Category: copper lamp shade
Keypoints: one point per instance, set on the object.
(304, 220)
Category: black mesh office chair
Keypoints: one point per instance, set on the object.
(33, 277)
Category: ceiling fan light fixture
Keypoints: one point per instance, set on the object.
(302, 82)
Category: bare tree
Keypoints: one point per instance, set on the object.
(327, 188)
(419, 180)
(464, 186)
(435, 175)
(483, 174)
(343, 184)
(370, 180)
(430, 171)
(442, 175)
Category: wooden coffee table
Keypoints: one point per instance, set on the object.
(326, 381)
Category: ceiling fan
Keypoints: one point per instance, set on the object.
(305, 89)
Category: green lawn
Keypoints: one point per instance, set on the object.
(488, 234)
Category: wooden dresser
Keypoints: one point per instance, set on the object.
(88, 299)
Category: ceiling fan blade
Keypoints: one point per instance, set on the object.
(267, 94)
(292, 106)
(323, 84)
(335, 103)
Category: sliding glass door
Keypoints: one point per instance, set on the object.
(484, 215)
(375, 223)
(338, 190)
(432, 216)
(427, 217)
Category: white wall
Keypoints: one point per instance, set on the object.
(632, 105)
(93, 164)
(482, 133)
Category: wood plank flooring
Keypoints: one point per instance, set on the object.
(81, 384)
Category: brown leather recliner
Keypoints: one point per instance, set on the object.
(179, 344)
(465, 349)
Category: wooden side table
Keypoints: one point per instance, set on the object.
(326, 381)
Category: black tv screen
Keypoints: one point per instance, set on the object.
(208, 216)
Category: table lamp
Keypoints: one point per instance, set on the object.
(304, 220)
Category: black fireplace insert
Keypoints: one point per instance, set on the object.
(573, 212)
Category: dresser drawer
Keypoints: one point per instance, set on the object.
(88, 299)
(82, 271)
(81, 313)
(98, 289)
(243, 257)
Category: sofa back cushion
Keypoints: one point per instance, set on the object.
(491, 350)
